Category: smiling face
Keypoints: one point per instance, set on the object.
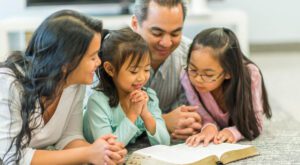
(205, 71)
(84, 72)
(131, 76)
(162, 30)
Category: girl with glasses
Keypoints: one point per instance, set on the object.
(228, 87)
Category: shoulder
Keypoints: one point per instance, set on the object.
(98, 104)
(7, 79)
(6, 74)
(254, 73)
(253, 70)
(98, 95)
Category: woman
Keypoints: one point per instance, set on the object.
(42, 94)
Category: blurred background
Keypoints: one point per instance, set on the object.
(268, 31)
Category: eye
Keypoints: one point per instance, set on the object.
(175, 34)
(133, 71)
(209, 75)
(156, 33)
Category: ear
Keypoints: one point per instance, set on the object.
(64, 68)
(227, 76)
(109, 69)
(134, 23)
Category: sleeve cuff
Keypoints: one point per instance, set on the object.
(27, 156)
(236, 134)
(159, 137)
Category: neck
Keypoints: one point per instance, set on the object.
(155, 64)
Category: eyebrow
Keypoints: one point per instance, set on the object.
(204, 70)
(162, 30)
(92, 54)
(138, 66)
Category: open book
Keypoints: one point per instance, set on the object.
(181, 154)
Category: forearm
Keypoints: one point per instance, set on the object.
(171, 124)
(64, 157)
(77, 143)
(150, 122)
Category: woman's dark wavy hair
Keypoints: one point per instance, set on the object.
(117, 47)
(237, 89)
(58, 44)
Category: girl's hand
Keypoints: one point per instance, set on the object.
(145, 111)
(136, 102)
(206, 135)
(224, 136)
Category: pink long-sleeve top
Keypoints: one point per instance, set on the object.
(216, 116)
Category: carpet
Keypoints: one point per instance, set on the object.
(278, 144)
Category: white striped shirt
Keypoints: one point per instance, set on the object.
(166, 81)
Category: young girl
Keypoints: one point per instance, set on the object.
(120, 105)
(42, 92)
(227, 86)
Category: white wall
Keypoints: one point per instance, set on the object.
(270, 21)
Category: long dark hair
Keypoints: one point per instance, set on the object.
(58, 44)
(117, 47)
(237, 89)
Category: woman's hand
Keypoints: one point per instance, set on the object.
(98, 152)
(117, 151)
(106, 150)
(206, 135)
(224, 136)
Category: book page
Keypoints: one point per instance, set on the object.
(183, 154)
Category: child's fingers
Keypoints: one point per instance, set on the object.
(215, 140)
(198, 140)
(189, 140)
(229, 140)
(133, 94)
(207, 140)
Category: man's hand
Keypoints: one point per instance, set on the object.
(183, 122)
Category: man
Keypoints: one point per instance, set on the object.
(160, 23)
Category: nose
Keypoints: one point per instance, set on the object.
(98, 61)
(166, 41)
(198, 78)
(141, 77)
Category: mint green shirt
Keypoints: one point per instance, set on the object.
(101, 119)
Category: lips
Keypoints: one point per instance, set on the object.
(137, 86)
(163, 52)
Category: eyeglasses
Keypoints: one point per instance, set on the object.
(205, 78)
